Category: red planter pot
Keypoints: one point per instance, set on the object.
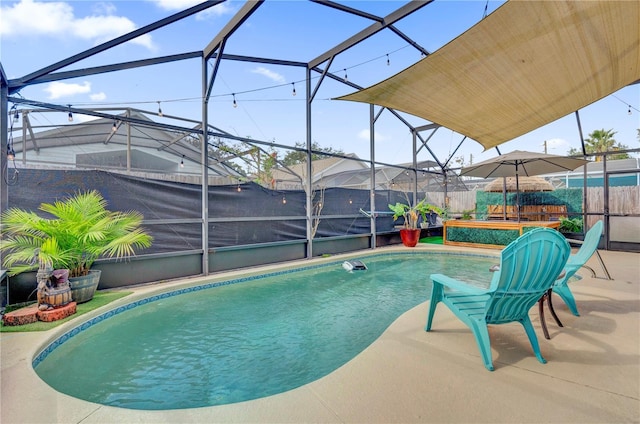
(410, 237)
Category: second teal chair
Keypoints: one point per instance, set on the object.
(575, 262)
(528, 267)
(561, 285)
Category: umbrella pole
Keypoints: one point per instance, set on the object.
(504, 198)
(517, 194)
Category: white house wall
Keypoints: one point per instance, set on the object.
(66, 157)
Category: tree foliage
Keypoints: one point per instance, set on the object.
(294, 156)
(602, 141)
(257, 162)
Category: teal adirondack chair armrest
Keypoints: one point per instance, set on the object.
(457, 285)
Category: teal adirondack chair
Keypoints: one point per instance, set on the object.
(561, 285)
(528, 267)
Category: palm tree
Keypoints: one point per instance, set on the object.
(602, 141)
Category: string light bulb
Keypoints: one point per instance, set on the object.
(70, 116)
(284, 200)
(239, 189)
(388, 61)
(11, 154)
(182, 162)
(16, 116)
(114, 128)
(293, 93)
(235, 104)
(160, 110)
(628, 111)
(345, 75)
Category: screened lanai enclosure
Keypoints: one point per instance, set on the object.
(232, 172)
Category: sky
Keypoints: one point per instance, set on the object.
(35, 34)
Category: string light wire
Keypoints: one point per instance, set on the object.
(384, 56)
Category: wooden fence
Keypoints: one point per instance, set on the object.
(622, 200)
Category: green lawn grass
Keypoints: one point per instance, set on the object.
(99, 299)
(432, 240)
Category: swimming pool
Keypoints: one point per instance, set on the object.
(245, 338)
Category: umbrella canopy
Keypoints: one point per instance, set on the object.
(518, 163)
(525, 184)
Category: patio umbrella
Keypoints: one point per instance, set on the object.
(519, 163)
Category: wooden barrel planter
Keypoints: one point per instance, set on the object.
(84, 287)
(55, 297)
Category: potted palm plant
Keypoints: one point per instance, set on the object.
(410, 233)
(81, 231)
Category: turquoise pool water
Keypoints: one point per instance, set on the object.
(246, 338)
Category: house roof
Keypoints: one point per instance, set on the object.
(321, 168)
(618, 165)
(391, 177)
(169, 145)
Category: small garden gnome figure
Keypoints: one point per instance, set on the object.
(45, 270)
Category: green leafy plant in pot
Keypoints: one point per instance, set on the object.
(572, 228)
(81, 231)
(410, 233)
(570, 225)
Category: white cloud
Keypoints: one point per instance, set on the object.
(365, 135)
(274, 76)
(556, 143)
(105, 28)
(215, 11)
(176, 5)
(98, 97)
(32, 18)
(57, 89)
(27, 16)
(104, 8)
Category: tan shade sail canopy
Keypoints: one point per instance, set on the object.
(522, 67)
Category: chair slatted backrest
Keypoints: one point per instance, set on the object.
(528, 267)
(589, 245)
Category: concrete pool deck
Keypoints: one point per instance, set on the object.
(410, 376)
